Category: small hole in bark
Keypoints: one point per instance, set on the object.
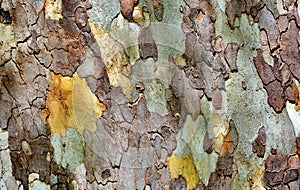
(5, 17)
(273, 151)
(106, 174)
(244, 85)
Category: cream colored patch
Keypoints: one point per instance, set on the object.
(71, 104)
(32, 177)
(256, 179)
(53, 9)
(114, 57)
(294, 116)
(7, 36)
(293, 110)
(185, 167)
(280, 8)
(298, 7)
(220, 128)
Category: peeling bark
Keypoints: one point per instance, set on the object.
(154, 94)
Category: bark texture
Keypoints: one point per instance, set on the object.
(149, 94)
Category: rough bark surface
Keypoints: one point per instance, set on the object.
(149, 94)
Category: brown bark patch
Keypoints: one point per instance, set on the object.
(276, 97)
(231, 52)
(259, 144)
(127, 7)
(147, 46)
(264, 69)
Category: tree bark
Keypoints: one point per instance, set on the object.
(149, 94)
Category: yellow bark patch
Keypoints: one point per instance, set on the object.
(71, 104)
(296, 96)
(53, 9)
(255, 178)
(138, 15)
(7, 36)
(183, 166)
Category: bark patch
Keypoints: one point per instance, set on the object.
(72, 104)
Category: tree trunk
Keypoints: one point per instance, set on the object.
(149, 94)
